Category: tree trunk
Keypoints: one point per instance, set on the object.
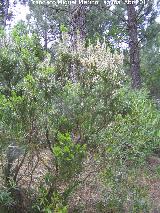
(45, 38)
(6, 12)
(78, 23)
(4, 5)
(45, 33)
(77, 32)
(133, 46)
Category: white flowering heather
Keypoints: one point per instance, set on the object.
(95, 57)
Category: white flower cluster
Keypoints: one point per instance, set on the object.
(94, 56)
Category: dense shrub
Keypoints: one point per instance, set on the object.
(130, 138)
(73, 106)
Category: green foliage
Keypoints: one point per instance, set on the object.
(150, 65)
(6, 199)
(129, 139)
(75, 106)
(54, 205)
(63, 28)
(68, 155)
(20, 54)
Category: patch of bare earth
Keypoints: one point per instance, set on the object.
(154, 183)
(89, 192)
